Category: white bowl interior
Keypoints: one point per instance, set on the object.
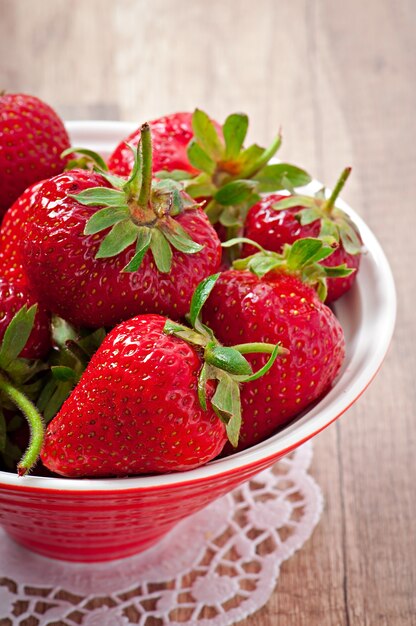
(367, 314)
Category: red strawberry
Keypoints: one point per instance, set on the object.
(156, 397)
(170, 134)
(13, 296)
(155, 426)
(228, 177)
(277, 220)
(158, 249)
(274, 307)
(32, 137)
(11, 233)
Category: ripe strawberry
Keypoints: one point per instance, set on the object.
(273, 306)
(147, 402)
(170, 134)
(32, 137)
(229, 176)
(159, 247)
(277, 220)
(13, 296)
(11, 234)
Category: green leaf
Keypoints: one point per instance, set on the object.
(227, 359)
(179, 238)
(144, 236)
(96, 158)
(235, 192)
(261, 264)
(105, 218)
(202, 387)
(185, 333)
(161, 250)
(177, 175)
(329, 231)
(120, 237)
(230, 218)
(350, 237)
(97, 196)
(62, 331)
(295, 201)
(92, 340)
(337, 271)
(200, 159)
(201, 190)
(17, 334)
(116, 181)
(308, 216)
(234, 131)
(262, 160)
(200, 296)
(237, 240)
(227, 404)
(61, 391)
(305, 252)
(248, 157)
(206, 135)
(63, 373)
(280, 175)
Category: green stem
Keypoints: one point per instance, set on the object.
(146, 143)
(35, 421)
(337, 190)
(251, 348)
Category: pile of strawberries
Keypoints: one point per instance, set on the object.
(163, 307)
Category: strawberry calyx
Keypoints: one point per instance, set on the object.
(19, 385)
(226, 365)
(89, 160)
(302, 258)
(232, 177)
(335, 225)
(139, 211)
(67, 362)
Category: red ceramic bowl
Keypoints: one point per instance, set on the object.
(104, 519)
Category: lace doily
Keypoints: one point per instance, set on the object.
(214, 569)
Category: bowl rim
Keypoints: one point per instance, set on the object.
(262, 454)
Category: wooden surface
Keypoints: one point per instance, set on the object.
(339, 77)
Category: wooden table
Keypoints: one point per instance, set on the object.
(339, 77)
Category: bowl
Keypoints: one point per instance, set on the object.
(104, 519)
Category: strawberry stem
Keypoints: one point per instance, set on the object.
(146, 147)
(35, 422)
(337, 190)
(266, 348)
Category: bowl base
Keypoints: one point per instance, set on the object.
(86, 554)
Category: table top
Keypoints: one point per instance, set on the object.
(339, 79)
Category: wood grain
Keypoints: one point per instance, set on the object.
(340, 80)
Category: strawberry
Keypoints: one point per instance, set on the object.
(277, 220)
(147, 402)
(10, 235)
(98, 249)
(230, 177)
(170, 134)
(32, 137)
(14, 290)
(274, 304)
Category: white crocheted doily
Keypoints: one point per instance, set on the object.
(214, 569)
